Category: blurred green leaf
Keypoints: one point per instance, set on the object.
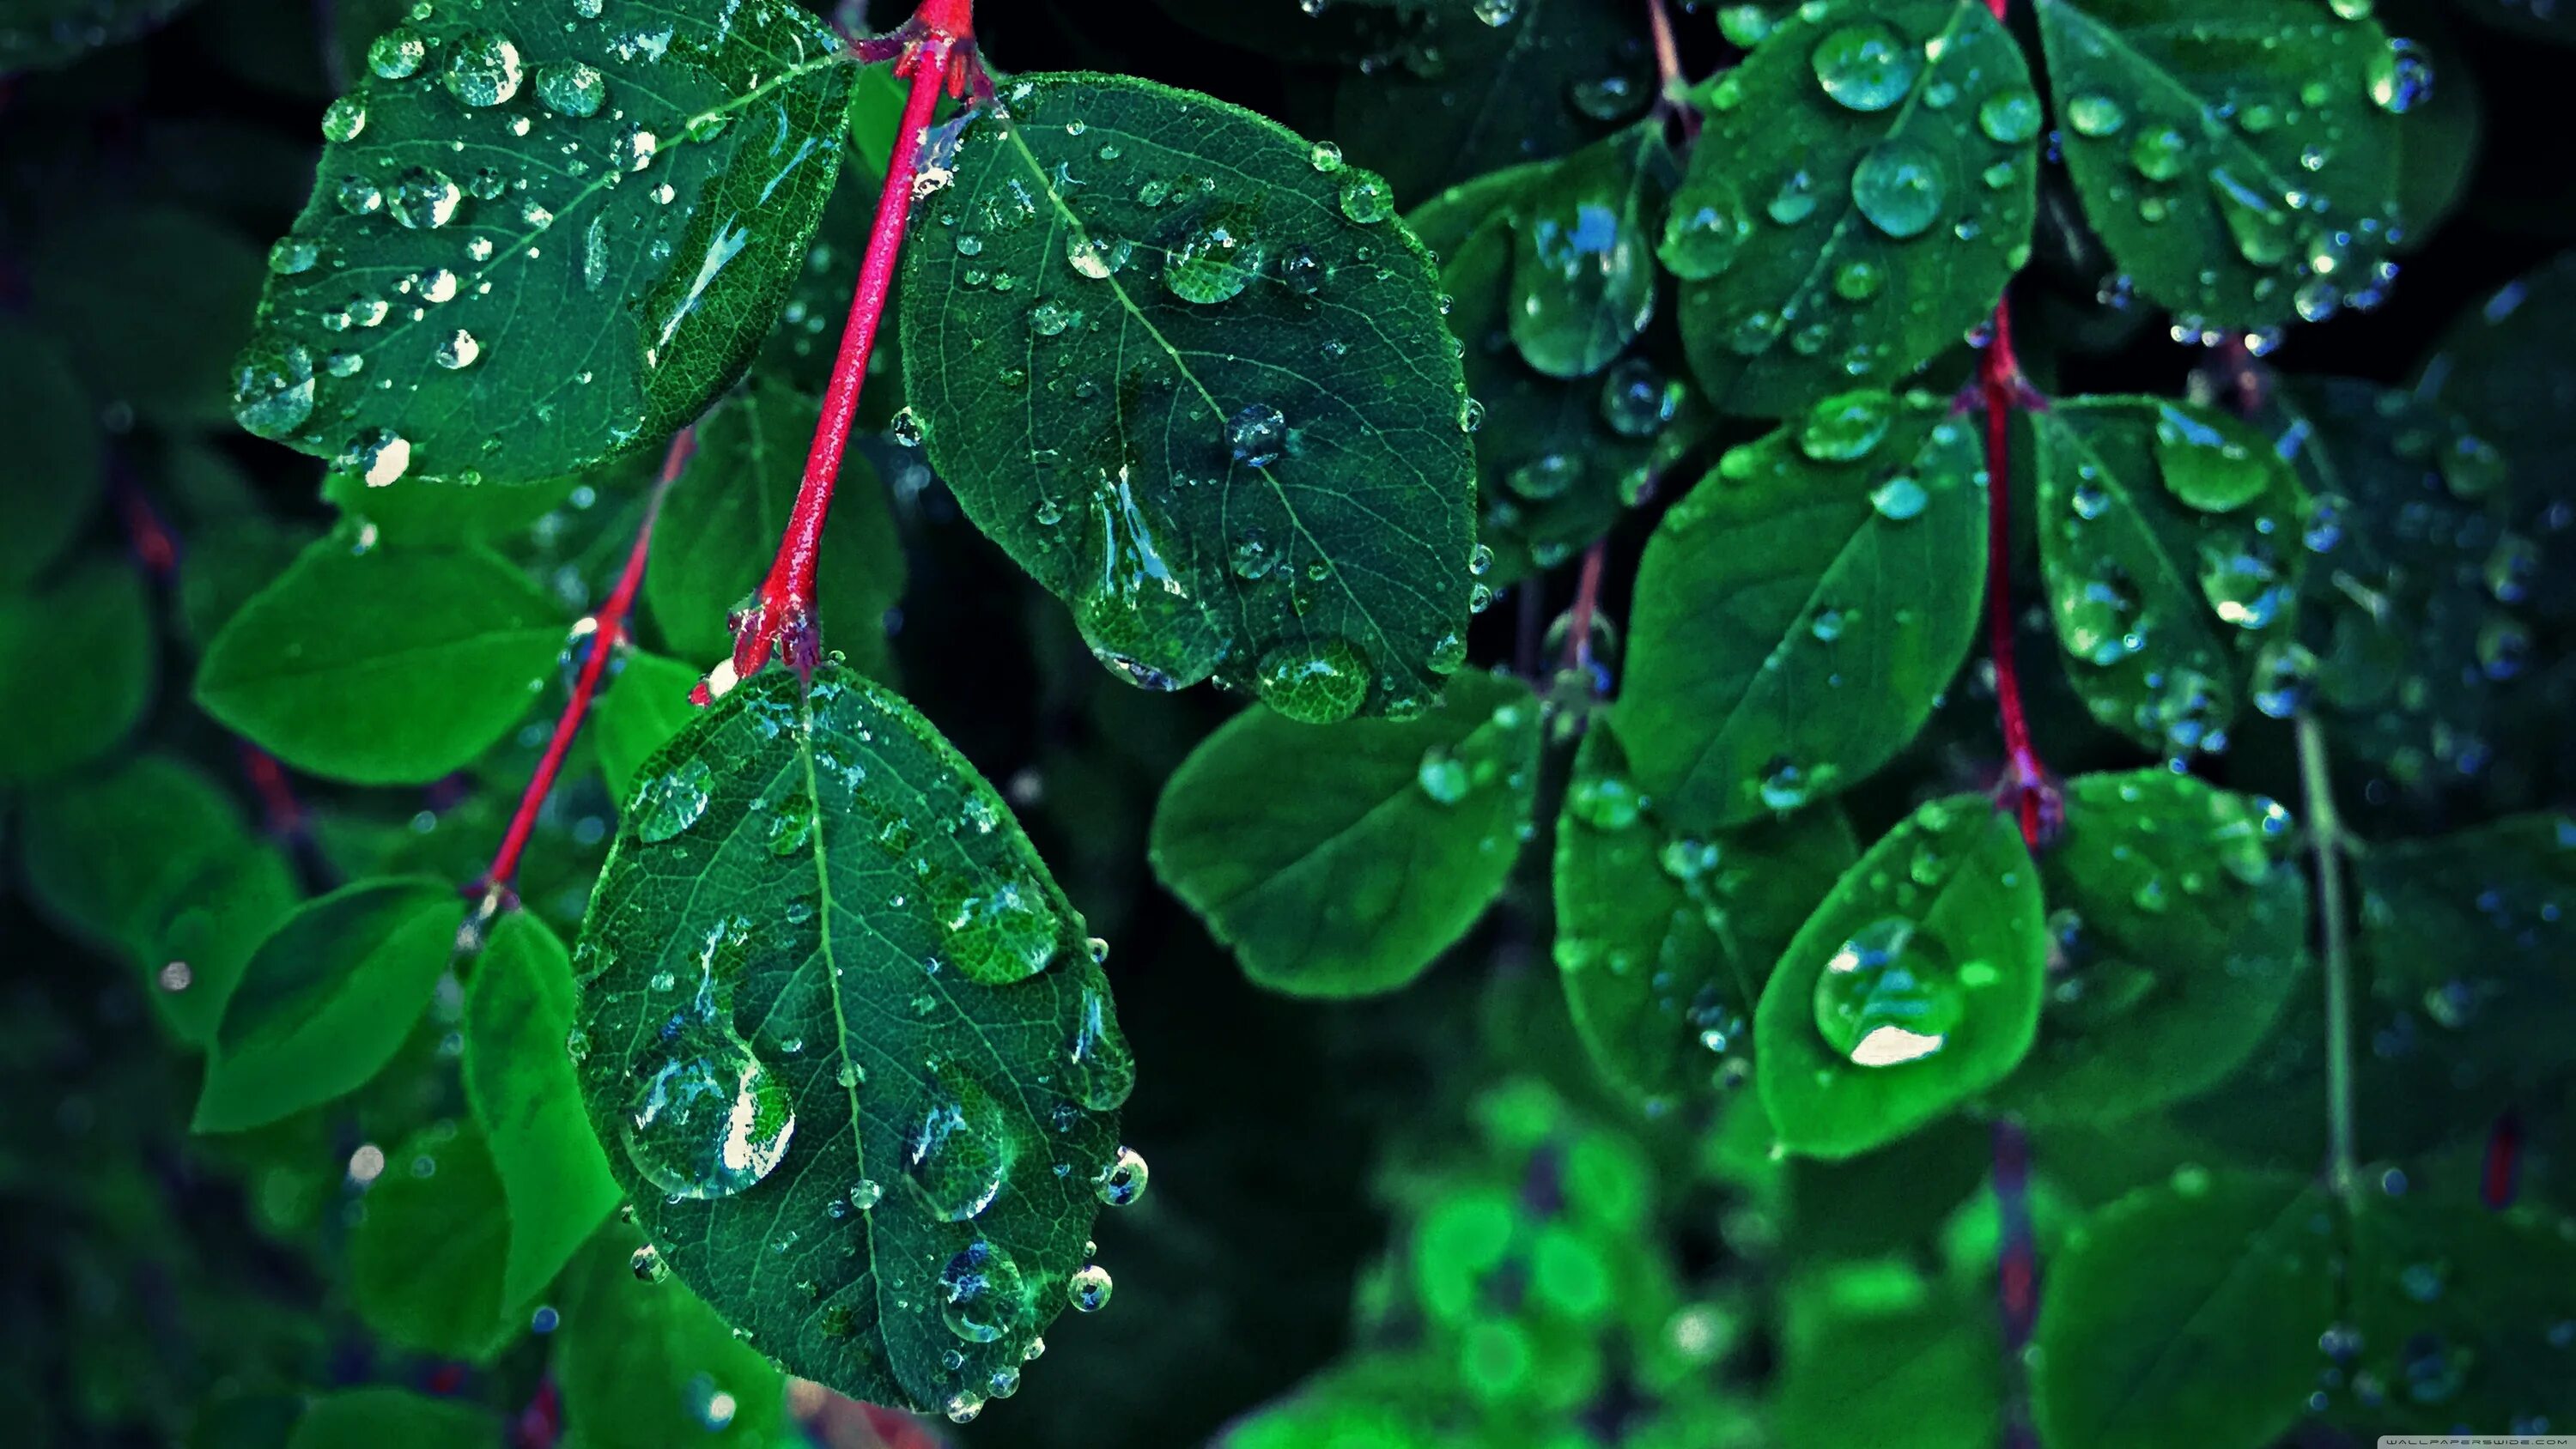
(81, 657)
(426, 1259)
(644, 1364)
(392, 1419)
(50, 474)
(520, 1081)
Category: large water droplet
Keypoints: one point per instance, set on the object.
(2093, 114)
(1216, 260)
(1847, 427)
(706, 1119)
(1133, 609)
(673, 802)
(1123, 1180)
(959, 1152)
(423, 197)
(985, 1295)
(2203, 466)
(1898, 186)
(570, 88)
(1003, 929)
(2401, 76)
(1866, 65)
(1257, 434)
(1088, 1289)
(273, 386)
(1887, 996)
(1314, 685)
(484, 69)
(2009, 116)
(397, 53)
(343, 119)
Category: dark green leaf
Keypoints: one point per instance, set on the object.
(2459, 1315)
(1221, 418)
(1555, 460)
(35, 34)
(108, 854)
(2467, 938)
(822, 943)
(537, 240)
(2238, 157)
(1915, 986)
(721, 524)
(384, 666)
(227, 563)
(2440, 142)
(81, 655)
(519, 1078)
(2418, 604)
(644, 1363)
(2169, 537)
(446, 511)
(2186, 1313)
(392, 1419)
(327, 1000)
(426, 1257)
(647, 705)
(1665, 938)
(2177, 939)
(1800, 611)
(151, 303)
(2503, 367)
(1469, 95)
(49, 474)
(1341, 860)
(1583, 272)
(1853, 207)
(201, 945)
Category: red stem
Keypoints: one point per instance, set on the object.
(1672, 88)
(936, 49)
(2025, 783)
(606, 625)
(1587, 602)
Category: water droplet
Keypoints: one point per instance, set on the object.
(1866, 65)
(378, 455)
(648, 1266)
(1847, 427)
(1443, 776)
(2259, 227)
(1547, 476)
(344, 118)
(707, 1118)
(1887, 997)
(457, 349)
(2401, 76)
(985, 1295)
(2009, 116)
(1133, 609)
(1897, 185)
(273, 386)
(423, 198)
(1795, 201)
(2094, 114)
(1367, 199)
(1700, 240)
(1088, 1289)
(1257, 433)
(2159, 154)
(484, 70)
(1001, 929)
(397, 53)
(570, 88)
(960, 1151)
(1326, 157)
(1314, 685)
(2205, 467)
(866, 1193)
(1123, 1180)
(1216, 261)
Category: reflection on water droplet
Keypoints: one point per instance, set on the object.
(985, 1294)
(1847, 427)
(484, 69)
(570, 88)
(707, 1118)
(1887, 996)
(1123, 1180)
(1132, 607)
(397, 53)
(1898, 186)
(1088, 1289)
(1318, 685)
(959, 1151)
(2094, 114)
(673, 802)
(1866, 65)
(2401, 76)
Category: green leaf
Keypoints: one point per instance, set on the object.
(537, 240)
(385, 666)
(1221, 418)
(2474, 931)
(1468, 95)
(1556, 460)
(2442, 138)
(393, 1419)
(1915, 986)
(1852, 207)
(2238, 157)
(2420, 599)
(1800, 611)
(446, 511)
(108, 854)
(151, 303)
(2178, 937)
(648, 703)
(1342, 860)
(426, 1257)
(2186, 1313)
(1665, 938)
(39, 34)
(202, 944)
(2459, 1316)
(327, 1000)
(645, 1364)
(1583, 272)
(2502, 366)
(227, 563)
(1915, 1369)
(49, 474)
(722, 520)
(519, 1078)
(82, 655)
(820, 942)
(2169, 540)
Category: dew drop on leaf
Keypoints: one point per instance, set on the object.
(959, 1152)
(1866, 65)
(672, 803)
(2009, 116)
(984, 1295)
(1088, 1289)
(706, 1119)
(397, 54)
(1123, 1180)
(1887, 995)
(1319, 685)
(484, 69)
(1897, 184)
(570, 88)
(1847, 428)
(1133, 608)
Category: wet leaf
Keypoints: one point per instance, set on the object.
(1800, 611)
(2459, 1315)
(2177, 936)
(1914, 986)
(1852, 207)
(49, 474)
(841, 1034)
(539, 238)
(428, 1257)
(82, 650)
(647, 706)
(1583, 267)
(722, 520)
(327, 1000)
(1341, 860)
(2238, 157)
(2186, 1313)
(1665, 938)
(390, 666)
(2170, 544)
(1191, 373)
(519, 1079)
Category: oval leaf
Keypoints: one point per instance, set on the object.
(1341, 860)
(519, 1079)
(1800, 611)
(1853, 206)
(388, 667)
(1915, 986)
(1191, 373)
(840, 1030)
(542, 236)
(427, 1260)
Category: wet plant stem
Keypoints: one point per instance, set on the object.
(936, 50)
(2327, 843)
(2025, 787)
(606, 625)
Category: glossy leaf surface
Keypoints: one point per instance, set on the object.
(1191, 373)
(842, 1036)
(1340, 860)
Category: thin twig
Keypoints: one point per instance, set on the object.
(2327, 843)
(2026, 786)
(1672, 88)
